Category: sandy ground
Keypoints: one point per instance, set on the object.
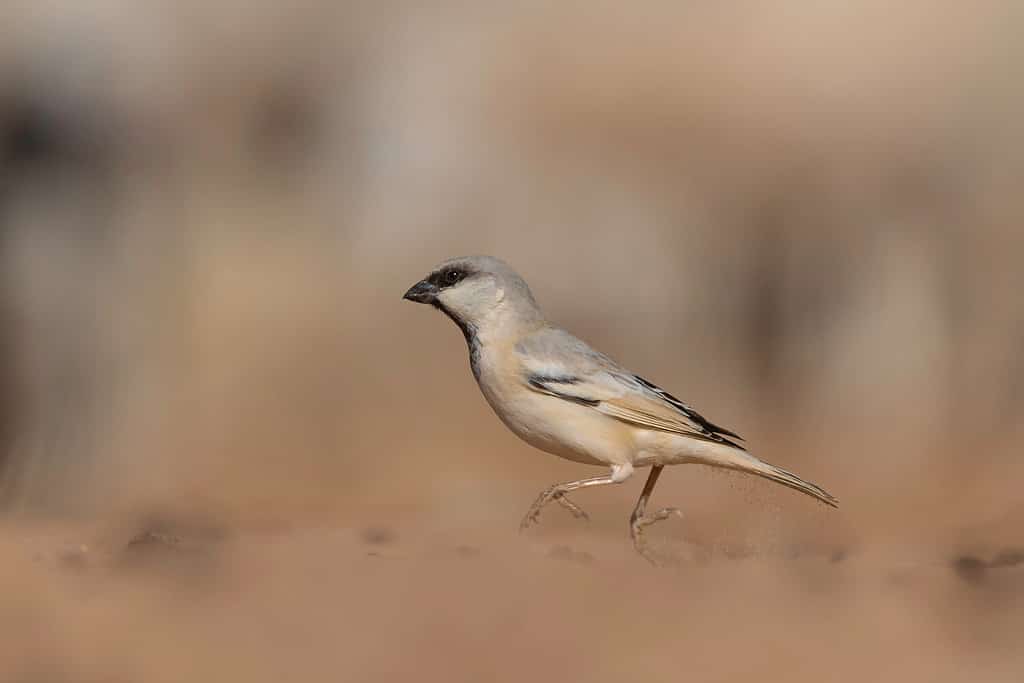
(230, 452)
(392, 597)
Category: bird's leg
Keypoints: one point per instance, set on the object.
(638, 520)
(557, 492)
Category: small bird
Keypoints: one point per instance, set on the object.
(559, 395)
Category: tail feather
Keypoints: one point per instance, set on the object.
(745, 462)
(781, 476)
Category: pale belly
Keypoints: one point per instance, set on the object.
(563, 428)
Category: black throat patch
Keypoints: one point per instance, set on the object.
(469, 332)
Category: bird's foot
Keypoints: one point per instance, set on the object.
(548, 495)
(533, 514)
(637, 526)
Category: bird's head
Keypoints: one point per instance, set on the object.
(477, 292)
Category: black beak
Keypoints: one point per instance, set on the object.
(422, 292)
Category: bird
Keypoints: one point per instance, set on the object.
(558, 394)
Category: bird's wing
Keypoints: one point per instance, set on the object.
(558, 364)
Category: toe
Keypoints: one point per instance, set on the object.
(665, 513)
(529, 520)
(579, 513)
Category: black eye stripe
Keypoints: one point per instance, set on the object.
(448, 277)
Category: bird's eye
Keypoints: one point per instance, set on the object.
(452, 276)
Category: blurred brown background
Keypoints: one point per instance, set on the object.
(228, 451)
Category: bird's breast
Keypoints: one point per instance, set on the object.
(553, 425)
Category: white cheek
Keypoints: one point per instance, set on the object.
(499, 295)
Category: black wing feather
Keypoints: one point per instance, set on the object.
(548, 385)
(709, 428)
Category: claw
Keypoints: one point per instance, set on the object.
(529, 520)
(637, 526)
(533, 514)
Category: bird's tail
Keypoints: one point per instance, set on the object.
(744, 462)
(781, 476)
